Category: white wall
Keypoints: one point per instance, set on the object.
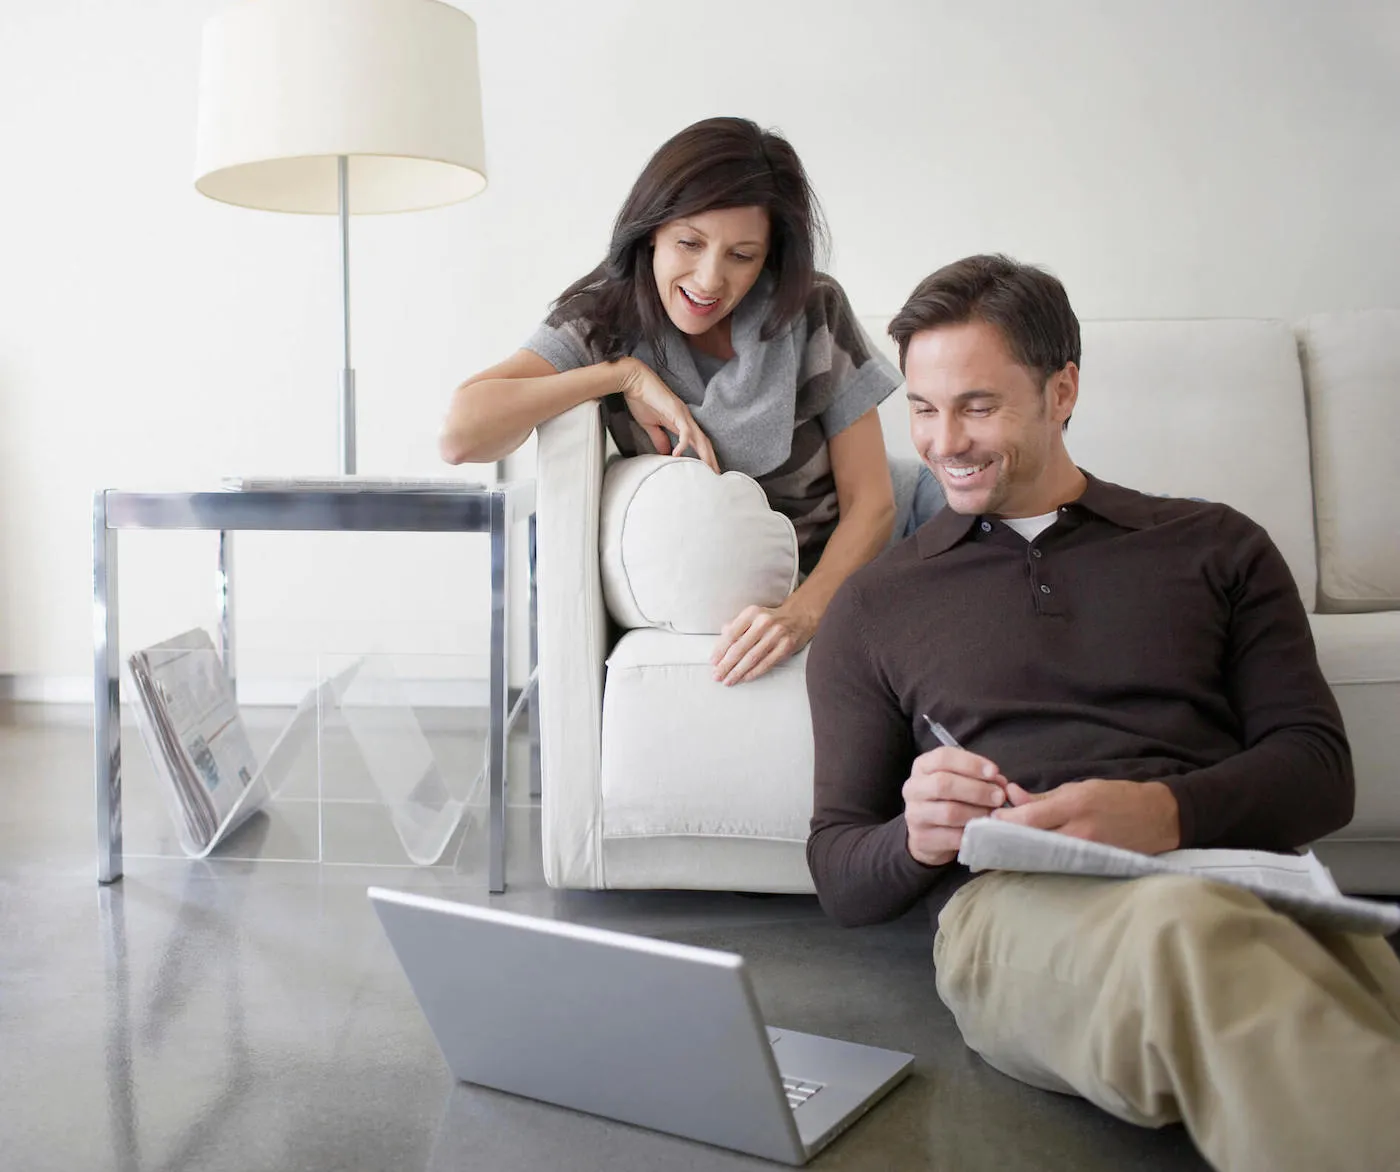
(1198, 158)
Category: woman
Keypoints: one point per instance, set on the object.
(707, 329)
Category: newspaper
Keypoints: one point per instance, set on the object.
(351, 482)
(195, 734)
(1297, 885)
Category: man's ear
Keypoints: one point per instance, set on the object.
(1063, 391)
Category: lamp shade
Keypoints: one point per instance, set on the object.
(288, 86)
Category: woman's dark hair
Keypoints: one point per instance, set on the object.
(717, 163)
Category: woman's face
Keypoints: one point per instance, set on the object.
(705, 263)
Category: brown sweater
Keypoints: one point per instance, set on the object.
(1138, 637)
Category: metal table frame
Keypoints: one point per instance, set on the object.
(493, 509)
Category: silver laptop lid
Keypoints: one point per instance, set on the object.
(663, 1035)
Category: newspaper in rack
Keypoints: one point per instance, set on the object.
(190, 722)
(196, 737)
(1297, 885)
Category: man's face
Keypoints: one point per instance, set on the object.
(983, 423)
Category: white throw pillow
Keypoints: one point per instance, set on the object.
(686, 550)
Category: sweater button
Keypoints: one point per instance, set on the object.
(1045, 589)
(986, 526)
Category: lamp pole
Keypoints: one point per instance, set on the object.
(347, 375)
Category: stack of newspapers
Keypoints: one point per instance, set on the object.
(189, 719)
(190, 722)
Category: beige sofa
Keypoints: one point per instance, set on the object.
(655, 776)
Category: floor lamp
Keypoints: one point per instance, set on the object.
(337, 106)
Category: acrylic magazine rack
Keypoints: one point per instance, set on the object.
(350, 777)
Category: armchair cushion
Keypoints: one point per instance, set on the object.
(683, 755)
(685, 550)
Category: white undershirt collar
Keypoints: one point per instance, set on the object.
(1031, 527)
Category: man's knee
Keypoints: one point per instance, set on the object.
(1176, 973)
(1166, 912)
(1168, 977)
(1133, 936)
(1137, 946)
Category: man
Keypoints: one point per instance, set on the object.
(1119, 667)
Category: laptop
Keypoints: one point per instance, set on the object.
(661, 1035)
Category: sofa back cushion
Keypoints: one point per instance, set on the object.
(1351, 364)
(685, 550)
(1211, 409)
(894, 411)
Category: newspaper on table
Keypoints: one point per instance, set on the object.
(189, 719)
(1297, 885)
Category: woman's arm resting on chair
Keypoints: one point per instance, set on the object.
(760, 638)
(494, 412)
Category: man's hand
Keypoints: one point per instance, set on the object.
(1136, 815)
(758, 639)
(947, 789)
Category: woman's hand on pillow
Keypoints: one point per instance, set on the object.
(758, 639)
(659, 410)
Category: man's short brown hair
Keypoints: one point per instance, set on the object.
(1027, 304)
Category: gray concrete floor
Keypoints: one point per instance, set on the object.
(245, 1013)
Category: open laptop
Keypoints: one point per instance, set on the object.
(662, 1035)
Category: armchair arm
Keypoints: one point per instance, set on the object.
(572, 644)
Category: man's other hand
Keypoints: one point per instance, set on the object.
(1136, 815)
(947, 789)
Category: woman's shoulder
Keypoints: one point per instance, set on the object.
(578, 310)
(569, 336)
(578, 321)
(826, 307)
(829, 308)
(825, 297)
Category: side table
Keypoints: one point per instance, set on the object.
(493, 509)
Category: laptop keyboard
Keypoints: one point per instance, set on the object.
(799, 1090)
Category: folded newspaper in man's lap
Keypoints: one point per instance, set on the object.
(1297, 885)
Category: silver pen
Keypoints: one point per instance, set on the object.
(948, 739)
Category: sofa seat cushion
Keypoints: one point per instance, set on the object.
(684, 755)
(1360, 658)
(685, 550)
(1359, 648)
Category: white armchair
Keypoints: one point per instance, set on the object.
(653, 775)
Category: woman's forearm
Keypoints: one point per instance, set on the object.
(862, 532)
(490, 417)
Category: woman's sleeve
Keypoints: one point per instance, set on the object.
(561, 344)
(863, 376)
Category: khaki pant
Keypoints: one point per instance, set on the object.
(1174, 999)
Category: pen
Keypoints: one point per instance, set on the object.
(948, 739)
